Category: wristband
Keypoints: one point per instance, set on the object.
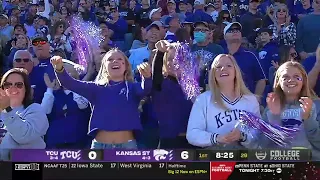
(214, 138)
(59, 71)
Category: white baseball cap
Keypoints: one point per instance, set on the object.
(226, 29)
(154, 11)
(199, 2)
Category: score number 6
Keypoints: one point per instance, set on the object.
(184, 155)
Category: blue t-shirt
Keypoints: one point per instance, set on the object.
(308, 65)
(250, 67)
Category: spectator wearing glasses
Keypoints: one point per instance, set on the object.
(249, 17)
(119, 26)
(25, 121)
(284, 31)
(203, 49)
(57, 38)
(41, 47)
(253, 74)
(23, 59)
(218, 7)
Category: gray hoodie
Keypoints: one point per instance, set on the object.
(291, 116)
(25, 127)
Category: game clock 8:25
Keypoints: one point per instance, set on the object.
(225, 155)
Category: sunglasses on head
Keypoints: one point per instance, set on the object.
(37, 43)
(18, 60)
(8, 85)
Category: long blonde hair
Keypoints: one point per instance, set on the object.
(239, 84)
(306, 91)
(103, 76)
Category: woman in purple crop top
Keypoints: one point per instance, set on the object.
(114, 98)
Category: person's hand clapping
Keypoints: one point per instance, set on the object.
(57, 63)
(162, 46)
(144, 69)
(273, 102)
(4, 100)
(306, 105)
(50, 84)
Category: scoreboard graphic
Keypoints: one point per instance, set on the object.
(158, 164)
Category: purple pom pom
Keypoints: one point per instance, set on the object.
(282, 136)
(87, 37)
(186, 67)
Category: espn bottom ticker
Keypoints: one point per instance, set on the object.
(159, 170)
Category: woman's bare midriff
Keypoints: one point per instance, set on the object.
(114, 137)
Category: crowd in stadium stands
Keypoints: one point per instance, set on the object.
(256, 56)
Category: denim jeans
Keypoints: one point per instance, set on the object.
(132, 144)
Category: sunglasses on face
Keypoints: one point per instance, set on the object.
(226, 18)
(113, 11)
(294, 55)
(8, 85)
(234, 30)
(82, 4)
(201, 30)
(37, 43)
(18, 60)
(282, 10)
